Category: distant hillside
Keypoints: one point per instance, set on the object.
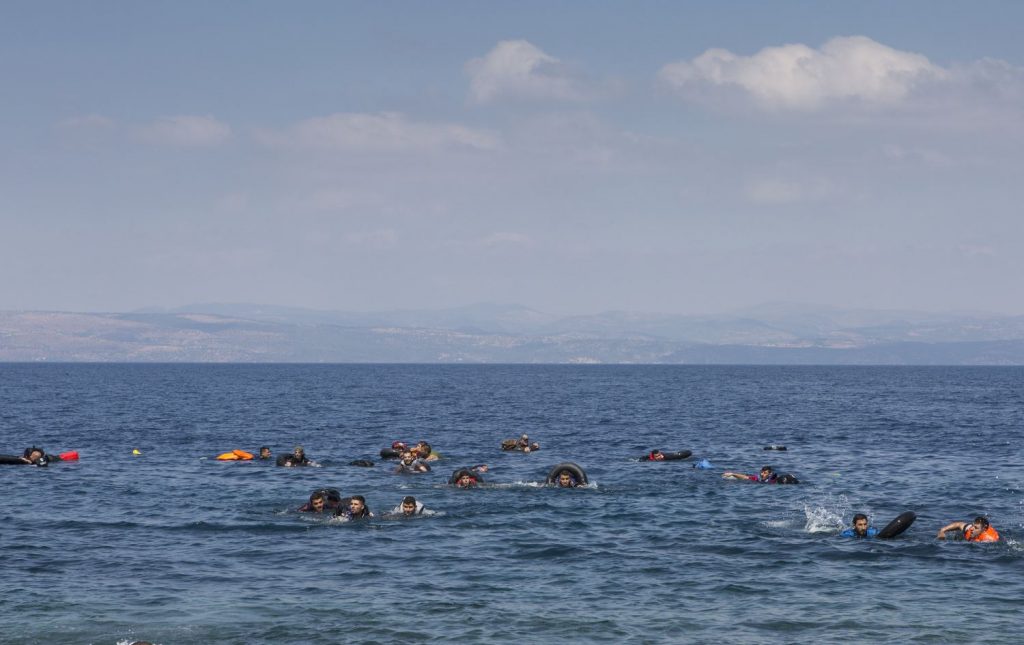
(774, 334)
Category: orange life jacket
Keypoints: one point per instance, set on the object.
(988, 535)
(235, 455)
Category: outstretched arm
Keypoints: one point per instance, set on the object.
(731, 475)
(949, 527)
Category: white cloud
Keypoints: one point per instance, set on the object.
(387, 131)
(185, 131)
(797, 77)
(518, 69)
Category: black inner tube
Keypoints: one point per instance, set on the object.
(897, 526)
(574, 470)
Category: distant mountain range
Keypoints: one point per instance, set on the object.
(489, 333)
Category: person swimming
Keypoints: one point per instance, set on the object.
(265, 452)
(409, 507)
(465, 478)
(425, 452)
(860, 528)
(767, 475)
(357, 509)
(410, 464)
(977, 531)
(296, 457)
(299, 456)
(317, 503)
(35, 456)
(566, 480)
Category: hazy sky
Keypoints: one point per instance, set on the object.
(573, 157)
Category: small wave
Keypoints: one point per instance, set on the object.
(827, 517)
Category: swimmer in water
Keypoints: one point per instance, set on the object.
(424, 451)
(357, 509)
(860, 528)
(566, 480)
(977, 531)
(409, 507)
(35, 456)
(767, 475)
(466, 480)
(317, 503)
(410, 464)
(299, 456)
(656, 455)
(265, 452)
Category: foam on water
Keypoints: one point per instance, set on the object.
(828, 516)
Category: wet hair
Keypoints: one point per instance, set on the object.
(262, 448)
(29, 451)
(426, 447)
(860, 516)
(318, 494)
(330, 494)
(768, 468)
(358, 497)
(982, 520)
(408, 499)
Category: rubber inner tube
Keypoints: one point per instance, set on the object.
(897, 526)
(12, 460)
(786, 479)
(574, 470)
(775, 447)
(389, 453)
(364, 463)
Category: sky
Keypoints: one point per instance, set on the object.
(572, 157)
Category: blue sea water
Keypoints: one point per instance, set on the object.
(172, 546)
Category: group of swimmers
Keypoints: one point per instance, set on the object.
(328, 501)
(977, 531)
(414, 460)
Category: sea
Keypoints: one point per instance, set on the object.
(148, 537)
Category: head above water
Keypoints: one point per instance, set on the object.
(408, 504)
(980, 523)
(34, 453)
(264, 452)
(299, 451)
(860, 523)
